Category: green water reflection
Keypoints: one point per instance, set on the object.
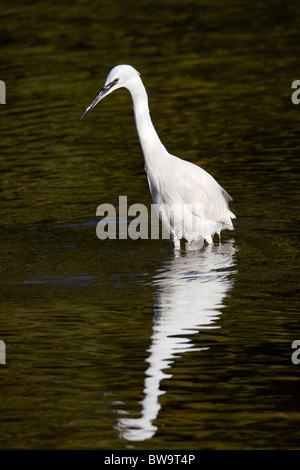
(80, 317)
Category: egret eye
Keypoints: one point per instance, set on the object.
(116, 80)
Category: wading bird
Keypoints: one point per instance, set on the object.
(189, 201)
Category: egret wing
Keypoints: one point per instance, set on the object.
(197, 188)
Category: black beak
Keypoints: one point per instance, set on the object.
(102, 93)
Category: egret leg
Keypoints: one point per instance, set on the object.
(195, 245)
(176, 244)
(209, 239)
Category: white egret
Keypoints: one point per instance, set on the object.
(191, 204)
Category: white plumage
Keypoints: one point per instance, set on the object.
(189, 201)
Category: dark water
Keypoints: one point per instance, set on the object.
(122, 344)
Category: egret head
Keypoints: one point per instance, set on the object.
(120, 76)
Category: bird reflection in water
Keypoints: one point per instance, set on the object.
(190, 290)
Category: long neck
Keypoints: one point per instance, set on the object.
(150, 142)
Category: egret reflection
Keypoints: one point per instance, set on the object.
(190, 290)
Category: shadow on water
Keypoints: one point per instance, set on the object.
(189, 297)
